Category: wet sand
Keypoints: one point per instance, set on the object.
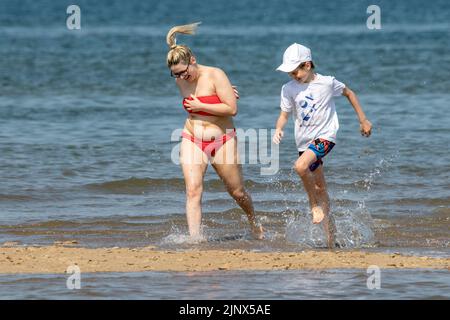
(57, 258)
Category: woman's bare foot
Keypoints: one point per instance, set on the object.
(196, 232)
(318, 215)
(197, 238)
(258, 231)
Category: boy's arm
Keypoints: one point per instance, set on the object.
(364, 124)
(281, 122)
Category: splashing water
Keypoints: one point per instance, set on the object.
(177, 236)
(353, 225)
(379, 169)
(301, 230)
(353, 230)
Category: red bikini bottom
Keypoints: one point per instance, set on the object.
(209, 147)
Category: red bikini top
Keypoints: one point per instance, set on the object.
(205, 99)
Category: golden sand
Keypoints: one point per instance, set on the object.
(57, 258)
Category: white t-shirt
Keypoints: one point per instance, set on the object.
(313, 109)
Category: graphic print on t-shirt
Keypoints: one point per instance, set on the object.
(306, 108)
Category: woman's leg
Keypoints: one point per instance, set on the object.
(193, 163)
(227, 166)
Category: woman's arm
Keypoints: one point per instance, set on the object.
(224, 91)
(365, 125)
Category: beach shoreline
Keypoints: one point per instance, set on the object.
(57, 258)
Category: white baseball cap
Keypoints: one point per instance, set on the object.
(293, 56)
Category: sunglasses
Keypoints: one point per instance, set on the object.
(180, 74)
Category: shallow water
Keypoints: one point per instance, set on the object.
(298, 285)
(86, 119)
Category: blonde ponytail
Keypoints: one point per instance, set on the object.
(179, 53)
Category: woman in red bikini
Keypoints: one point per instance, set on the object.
(209, 132)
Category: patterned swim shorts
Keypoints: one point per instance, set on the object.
(321, 148)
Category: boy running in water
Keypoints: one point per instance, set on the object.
(309, 97)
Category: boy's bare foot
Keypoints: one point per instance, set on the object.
(258, 232)
(318, 214)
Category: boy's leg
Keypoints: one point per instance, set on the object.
(320, 188)
(320, 148)
(315, 186)
(323, 200)
(302, 167)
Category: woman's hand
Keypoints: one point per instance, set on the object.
(193, 105)
(365, 127)
(278, 136)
